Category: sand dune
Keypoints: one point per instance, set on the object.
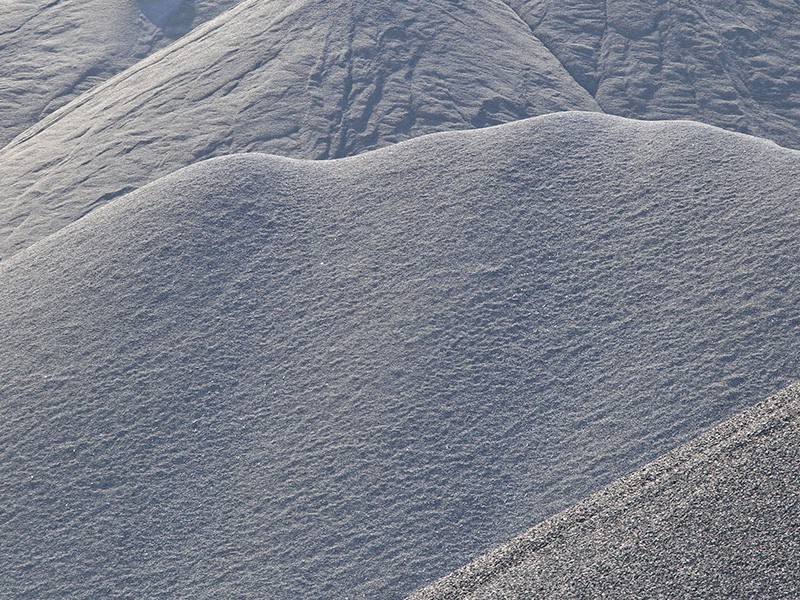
(310, 79)
(323, 79)
(729, 64)
(264, 377)
(53, 51)
(718, 517)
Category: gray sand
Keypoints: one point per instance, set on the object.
(309, 79)
(717, 518)
(731, 64)
(328, 78)
(51, 52)
(262, 377)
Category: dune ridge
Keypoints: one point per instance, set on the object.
(52, 52)
(310, 79)
(317, 79)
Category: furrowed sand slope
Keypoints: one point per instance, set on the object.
(261, 377)
(718, 517)
(53, 51)
(308, 79)
(729, 64)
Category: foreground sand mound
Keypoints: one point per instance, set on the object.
(717, 518)
(261, 377)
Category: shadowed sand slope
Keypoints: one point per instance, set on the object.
(53, 51)
(731, 64)
(307, 79)
(719, 517)
(263, 377)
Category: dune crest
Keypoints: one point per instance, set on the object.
(309, 79)
(52, 52)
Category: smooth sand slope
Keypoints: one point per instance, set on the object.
(731, 64)
(51, 51)
(308, 79)
(717, 518)
(261, 377)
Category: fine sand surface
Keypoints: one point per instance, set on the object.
(332, 78)
(51, 51)
(733, 64)
(264, 377)
(716, 518)
(307, 79)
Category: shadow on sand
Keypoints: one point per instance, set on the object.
(173, 17)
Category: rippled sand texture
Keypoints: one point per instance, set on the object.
(263, 377)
